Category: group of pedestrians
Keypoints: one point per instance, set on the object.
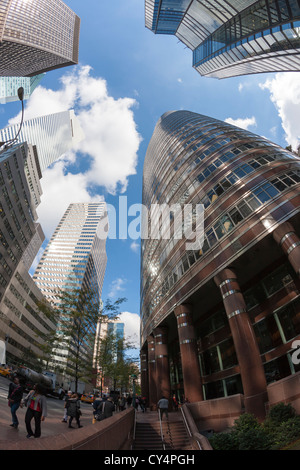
(141, 402)
(103, 408)
(36, 404)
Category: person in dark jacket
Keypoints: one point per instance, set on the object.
(15, 395)
(98, 405)
(108, 408)
(73, 410)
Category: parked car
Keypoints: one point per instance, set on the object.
(5, 370)
(87, 398)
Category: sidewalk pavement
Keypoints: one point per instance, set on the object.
(51, 426)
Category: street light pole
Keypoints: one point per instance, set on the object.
(133, 389)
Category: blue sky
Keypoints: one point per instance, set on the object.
(126, 79)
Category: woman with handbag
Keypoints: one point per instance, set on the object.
(73, 410)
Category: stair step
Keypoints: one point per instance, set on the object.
(148, 436)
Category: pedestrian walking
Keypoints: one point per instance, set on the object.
(143, 404)
(122, 403)
(65, 418)
(98, 405)
(15, 396)
(36, 409)
(137, 402)
(108, 408)
(73, 410)
(129, 401)
(175, 402)
(163, 406)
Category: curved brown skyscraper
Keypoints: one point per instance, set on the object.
(230, 310)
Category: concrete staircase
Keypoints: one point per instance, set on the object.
(148, 433)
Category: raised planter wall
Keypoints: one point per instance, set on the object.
(286, 390)
(217, 414)
(113, 433)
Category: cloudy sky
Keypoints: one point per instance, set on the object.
(126, 79)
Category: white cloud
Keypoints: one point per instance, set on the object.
(59, 190)
(135, 247)
(243, 123)
(131, 327)
(108, 153)
(117, 286)
(285, 94)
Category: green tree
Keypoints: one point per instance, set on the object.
(76, 317)
(115, 363)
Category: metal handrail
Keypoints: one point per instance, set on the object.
(134, 429)
(188, 429)
(161, 432)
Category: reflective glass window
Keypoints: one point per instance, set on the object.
(283, 10)
(267, 334)
(289, 317)
(228, 355)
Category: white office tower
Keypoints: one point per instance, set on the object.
(75, 258)
(53, 135)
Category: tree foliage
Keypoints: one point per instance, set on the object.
(76, 317)
(115, 363)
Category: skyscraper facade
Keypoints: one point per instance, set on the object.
(9, 87)
(37, 36)
(20, 196)
(75, 257)
(232, 38)
(220, 319)
(20, 239)
(52, 134)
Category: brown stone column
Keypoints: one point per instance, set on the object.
(152, 373)
(246, 347)
(162, 363)
(289, 241)
(144, 375)
(189, 354)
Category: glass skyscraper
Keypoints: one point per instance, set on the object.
(75, 258)
(230, 38)
(220, 319)
(52, 134)
(37, 36)
(9, 87)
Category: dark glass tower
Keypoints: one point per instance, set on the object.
(230, 38)
(233, 305)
